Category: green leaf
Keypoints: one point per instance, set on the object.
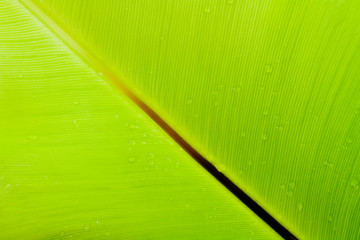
(80, 161)
(268, 91)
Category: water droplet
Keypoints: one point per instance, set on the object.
(282, 186)
(300, 206)
(99, 74)
(131, 159)
(134, 126)
(219, 167)
(243, 134)
(207, 9)
(292, 184)
(349, 140)
(20, 76)
(151, 155)
(330, 219)
(279, 128)
(236, 89)
(86, 228)
(189, 101)
(354, 183)
(33, 137)
(97, 222)
(116, 115)
(76, 124)
(216, 104)
(326, 163)
(289, 193)
(231, 1)
(268, 68)
(264, 136)
(196, 115)
(62, 234)
(266, 112)
(146, 168)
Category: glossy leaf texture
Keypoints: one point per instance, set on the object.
(81, 161)
(268, 91)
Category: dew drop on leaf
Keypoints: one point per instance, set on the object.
(236, 89)
(354, 183)
(134, 126)
(268, 68)
(300, 206)
(264, 136)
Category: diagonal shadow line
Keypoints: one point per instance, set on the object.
(92, 60)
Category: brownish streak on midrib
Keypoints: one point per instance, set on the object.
(92, 60)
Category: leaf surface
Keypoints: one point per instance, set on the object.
(268, 91)
(81, 161)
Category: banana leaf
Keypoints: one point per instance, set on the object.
(267, 91)
(79, 160)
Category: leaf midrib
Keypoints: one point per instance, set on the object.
(84, 52)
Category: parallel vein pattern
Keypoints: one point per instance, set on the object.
(269, 91)
(79, 161)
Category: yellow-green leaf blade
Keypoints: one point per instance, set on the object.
(267, 90)
(80, 161)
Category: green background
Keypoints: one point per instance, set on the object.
(268, 91)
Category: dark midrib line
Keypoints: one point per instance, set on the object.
(224, 180)
(97, 64)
